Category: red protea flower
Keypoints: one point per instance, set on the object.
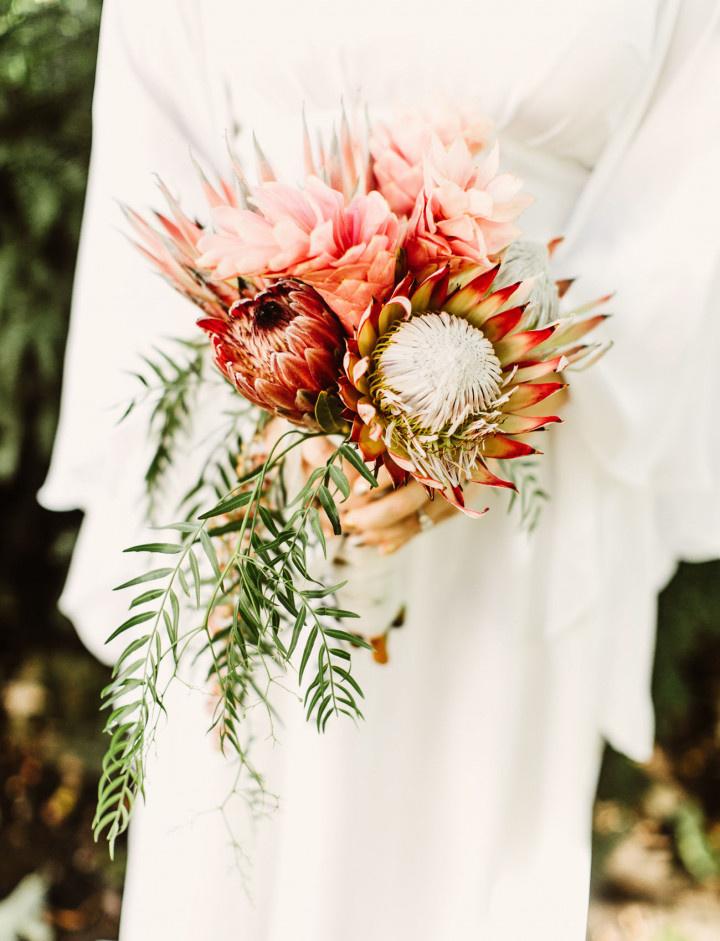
(280, 349)
(447, 377)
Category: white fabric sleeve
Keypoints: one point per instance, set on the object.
(151, 108)
(640, 482)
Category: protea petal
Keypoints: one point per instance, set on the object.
(472, 294)
(455, 496)
(574, 329)
(539, 370)
(371, 446)
(367, 337)
(482, 312)
(515, 348)
(432, 291)
(349, 395)
(392, 312)
(503, 323)
(529, 394)
(504, 449)
(483, 475)
(524, 424)
(590, 305)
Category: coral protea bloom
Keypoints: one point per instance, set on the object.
(466, 209)
(347, 250)
(173, 250)
(444, 378)
(399, 148)
(280, 349)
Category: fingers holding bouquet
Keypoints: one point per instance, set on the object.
(385, 517)
(392, 518)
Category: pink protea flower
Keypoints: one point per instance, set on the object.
(346, 250)
(465, 210)
(398, 149)
(172, 246)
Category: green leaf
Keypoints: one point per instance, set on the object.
(350, 454)
(340, 480)
(316, 527)
(146, 577)
(166, 548)
(210, 553)
(336, 613)
(146, 596)
(131, 622)
(309, 644)
(195, 570)
(328, 505)
(229, 505)
(297, 628)
(314, 701)
(355, 639)
(328, 414)
(130, 650)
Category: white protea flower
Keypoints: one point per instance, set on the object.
(442, 379)
(439, 382)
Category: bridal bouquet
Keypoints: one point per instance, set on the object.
(387, 305)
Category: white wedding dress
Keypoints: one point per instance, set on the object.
(461, 808)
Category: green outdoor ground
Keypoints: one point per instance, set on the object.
(657, 828)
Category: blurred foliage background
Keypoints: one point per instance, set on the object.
(657, 827)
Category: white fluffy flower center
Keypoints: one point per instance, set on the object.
(438, 371)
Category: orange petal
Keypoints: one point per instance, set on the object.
(563, 286)
(370, 447)
(379, 646)
(348, 393)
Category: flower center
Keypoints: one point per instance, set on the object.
(438, 371)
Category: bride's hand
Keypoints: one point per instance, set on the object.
(391, 518)
(383, 517)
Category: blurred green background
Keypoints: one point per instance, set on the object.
(657, 828)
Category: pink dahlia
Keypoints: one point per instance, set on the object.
(466, 209)
(399, 149)
(346, 250)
